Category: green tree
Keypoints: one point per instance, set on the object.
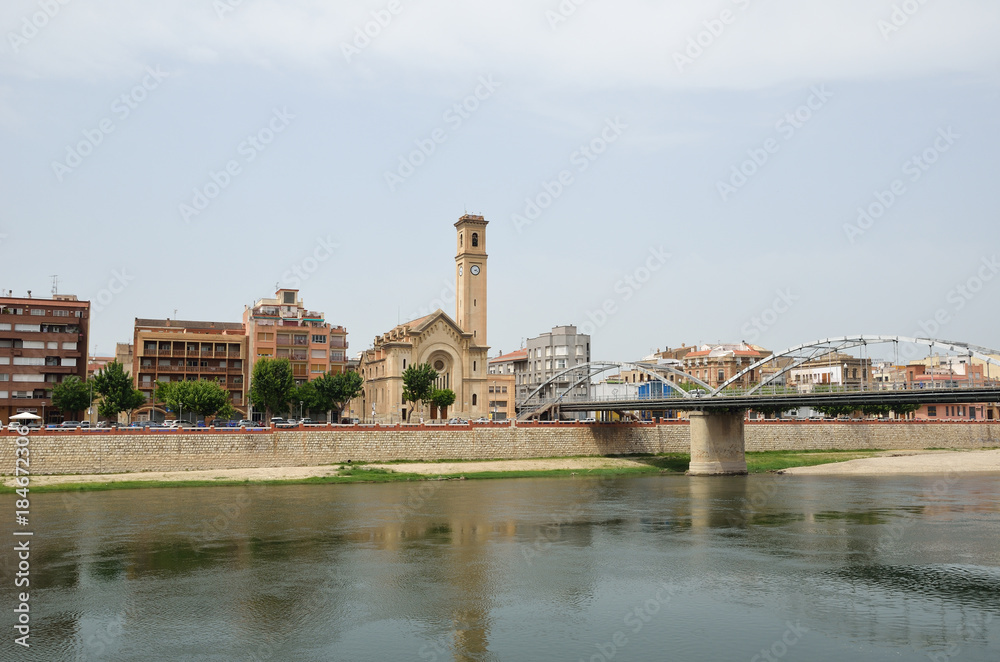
(335, 390)
(834, 411)
(227, 412)
(443, 398)
(203, 397)
(418, 384)
(71, 395)
(904, 410)
(132, 401)
(876, 410)
(272, 385)
(114, 384)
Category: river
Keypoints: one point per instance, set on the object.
(643, 568)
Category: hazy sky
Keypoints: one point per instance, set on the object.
(696, 168)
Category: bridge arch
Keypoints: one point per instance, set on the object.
(812, 350)
(587, 371)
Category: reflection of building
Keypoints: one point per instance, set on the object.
(42, 341)
(282, 328)
(174, 350)
(455, 348)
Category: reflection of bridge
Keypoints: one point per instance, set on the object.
(719, 410)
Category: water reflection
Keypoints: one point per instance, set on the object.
(522, 569)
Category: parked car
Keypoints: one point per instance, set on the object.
(307, 421)
(70, 424)
(279, 422)
(175, 424)
(246, 423)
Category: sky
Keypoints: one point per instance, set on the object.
(656, 173)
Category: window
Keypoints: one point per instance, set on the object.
(29, 360)
(28, 378)
(319, 339)
(562, 350)
(932, 410)
(51, 345)
(475, 398)
(560, 364)
(318, 367)
(548, 364)
(35, 328)
(288, 297)
(37, 311)
(475, 242)
(5, 327)
(263, 336)
(60, 313)
(4, 377)
(68, 362)
(722, 375)
(318, 354)
(548, 351)
(34, 344)
(69, 345)
(474, 366)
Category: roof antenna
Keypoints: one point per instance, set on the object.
(55, 285)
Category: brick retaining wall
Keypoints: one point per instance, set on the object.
(126, 451)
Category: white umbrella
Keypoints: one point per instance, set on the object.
(25, 416)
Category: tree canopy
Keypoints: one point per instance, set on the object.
(330, 391)
(114, 384)
(418, 384)
(203, 397)
(272, 385)
(71, 395)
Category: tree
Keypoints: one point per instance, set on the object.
(71, 395)
(227, 412)
(114, 384)
(834, 411)
(130, 402)
(905, 410)
(443, 398)
(876, 410)
(418, 384)
(203, 397)
(335, 390)
(272, 385)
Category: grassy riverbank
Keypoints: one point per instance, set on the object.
(663, 464)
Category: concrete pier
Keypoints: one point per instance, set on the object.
(717, 446)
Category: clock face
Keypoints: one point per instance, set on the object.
(474, 270)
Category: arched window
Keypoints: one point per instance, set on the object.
(475, 239)
(475, 399)
(461, 240)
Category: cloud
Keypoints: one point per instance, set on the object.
(601, 45)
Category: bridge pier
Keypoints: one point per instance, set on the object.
(717, 446)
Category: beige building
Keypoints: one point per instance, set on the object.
(176, 350)
(455, 347)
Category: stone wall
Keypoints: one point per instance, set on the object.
(95, 452)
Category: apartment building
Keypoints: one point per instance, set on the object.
(282, 327)
(42, 341)
(552, 353)
(177, 350)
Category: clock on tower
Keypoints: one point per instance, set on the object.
(470, 299)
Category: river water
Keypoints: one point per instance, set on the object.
(642, 568)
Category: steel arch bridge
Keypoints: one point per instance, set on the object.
(561, 385)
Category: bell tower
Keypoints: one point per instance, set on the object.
(470, 277)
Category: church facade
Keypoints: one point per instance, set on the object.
(456, 347)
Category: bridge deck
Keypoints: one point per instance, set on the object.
(793, 401)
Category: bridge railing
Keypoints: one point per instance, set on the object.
(765, 391)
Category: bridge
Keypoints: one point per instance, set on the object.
(717, 412)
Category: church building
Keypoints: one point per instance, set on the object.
(454, 346)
